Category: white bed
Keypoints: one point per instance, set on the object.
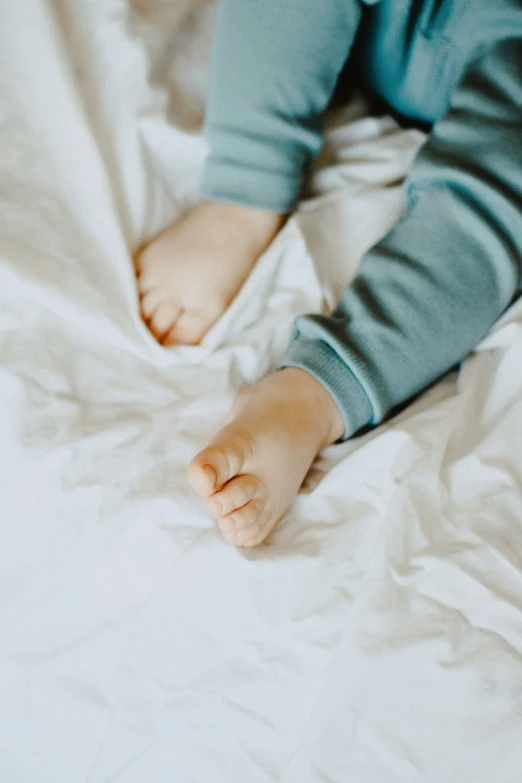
(378, 637)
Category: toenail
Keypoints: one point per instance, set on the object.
(210, 473)
(217, 508)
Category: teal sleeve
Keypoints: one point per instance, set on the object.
(430, 291)
(274, 67)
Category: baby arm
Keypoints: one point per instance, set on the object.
(274, 67)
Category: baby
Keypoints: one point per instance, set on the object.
(423, 297)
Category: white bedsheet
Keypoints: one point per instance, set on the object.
(378, 637)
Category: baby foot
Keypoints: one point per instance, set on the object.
(190, 273)
(254, 467)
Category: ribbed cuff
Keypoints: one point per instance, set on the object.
(227, 181)
(318, 359)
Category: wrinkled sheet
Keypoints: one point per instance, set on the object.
(378, 636)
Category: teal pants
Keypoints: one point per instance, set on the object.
(432, 288)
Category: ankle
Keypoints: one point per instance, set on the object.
(322, 414)
(260, 226)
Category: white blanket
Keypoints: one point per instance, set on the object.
(377, 638)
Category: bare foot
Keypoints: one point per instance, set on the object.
(254, 467)
(190, 273)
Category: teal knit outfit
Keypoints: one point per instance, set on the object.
(430, 290)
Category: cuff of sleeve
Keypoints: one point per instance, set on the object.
(318, 359)
(226, 181)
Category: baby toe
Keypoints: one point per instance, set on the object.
(243, 523)
(164, 318)
(248, 514)
(149, 303)
(235, 494)
(258, 532)
(147, 276)
(189, 329)
(223, 459)
(203, 476)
